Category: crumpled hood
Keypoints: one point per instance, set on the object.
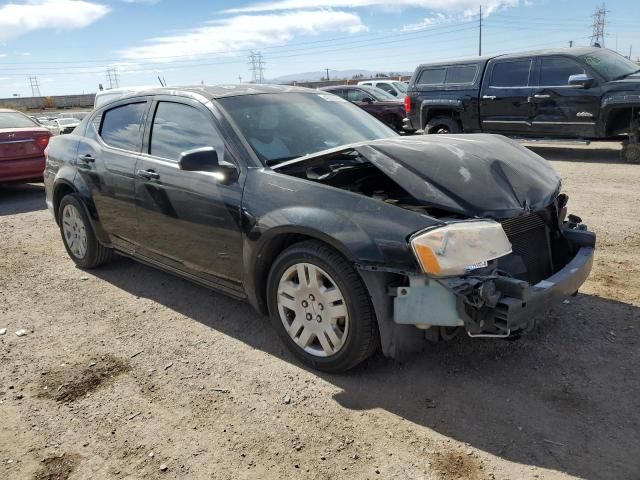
(478, 175)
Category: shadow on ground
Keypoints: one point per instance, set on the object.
(564, 397)
(21, 198)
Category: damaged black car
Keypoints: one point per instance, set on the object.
(349, 236)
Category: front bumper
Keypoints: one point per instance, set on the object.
(495, 306)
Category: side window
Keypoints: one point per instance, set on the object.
(461, 74)
(356, 95)
(121, 126)
(511, 74)
(387, 88)
(555, 72)
(340, 92)
(178, 127)
(432, 76)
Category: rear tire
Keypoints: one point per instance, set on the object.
(442, 125)
(77, 234)
(630, 153)
(306, 317)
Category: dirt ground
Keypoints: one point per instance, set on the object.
(128, 372)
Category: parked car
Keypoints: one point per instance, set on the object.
(61, 126)
(22, 145)
(347, 234)
(395, 88)
(589, 93)
(377, 102)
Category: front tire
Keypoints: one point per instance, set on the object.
(320, 307)
(77, 234)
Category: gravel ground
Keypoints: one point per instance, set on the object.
(128, 372)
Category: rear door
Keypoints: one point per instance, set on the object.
(505, 95)
(560, 109)
(189, 221)
(107, 156)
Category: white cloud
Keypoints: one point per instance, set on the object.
(435, 5)
(244, 32)
(19, 18)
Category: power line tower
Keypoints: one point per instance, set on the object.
(257, 67)
(112, 77)
(599, 20)
(35, 86)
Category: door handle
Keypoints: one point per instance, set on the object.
(88, 158)
(541, 95)
(147, 174)
(488, 97)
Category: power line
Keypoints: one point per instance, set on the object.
(35, 86)
(112, 77)
(256, 66)
(599, 20)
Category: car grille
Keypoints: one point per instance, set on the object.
(529, 238)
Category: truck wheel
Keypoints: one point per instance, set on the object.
(442, 125)
(630, 153)
(320, 307)
(77, 235)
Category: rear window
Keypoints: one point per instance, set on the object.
(121, 126)
(461, 74)
(511, 74)
(432, 76)
(15, 120)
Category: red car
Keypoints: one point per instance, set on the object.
(378, 103)
(22, 145)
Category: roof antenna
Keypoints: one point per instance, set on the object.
(163, 84)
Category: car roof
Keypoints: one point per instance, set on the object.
(574, 52)
(221, 91)
(344, 86)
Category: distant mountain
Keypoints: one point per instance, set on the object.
(333, 74)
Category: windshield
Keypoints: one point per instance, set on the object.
(610, 65)
(283, 126)
(15, 120)
(377, 93)
(401, 86)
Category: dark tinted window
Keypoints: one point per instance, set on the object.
(357, 95)
(556, 71)
(432, 76)
(511, 74)
(339, 91)
(387, 88)
(15, 120)
(178, 128)
(461, 74)
(121, 126)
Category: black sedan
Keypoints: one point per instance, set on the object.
(346, 234)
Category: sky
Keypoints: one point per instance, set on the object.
(69, 44)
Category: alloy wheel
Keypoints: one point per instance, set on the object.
(75, 233)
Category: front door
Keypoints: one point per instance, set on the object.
(504, 101)
(560, 109)
(106, 161)
(189, 221)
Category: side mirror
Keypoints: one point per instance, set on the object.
(581, 80)
(205, 159)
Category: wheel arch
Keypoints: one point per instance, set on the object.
(61, 189)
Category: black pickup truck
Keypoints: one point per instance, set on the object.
(584, 93)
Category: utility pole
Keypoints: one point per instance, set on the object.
(328, 74)
(480, 33)
(256, 65)
(599, 21)
(112, 77)
(35, 86)
(570, 43)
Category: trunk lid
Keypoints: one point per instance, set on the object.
(19, 143)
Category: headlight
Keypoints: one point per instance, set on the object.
(459, 247)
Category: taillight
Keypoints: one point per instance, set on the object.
(42, 141)
(407, 104)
